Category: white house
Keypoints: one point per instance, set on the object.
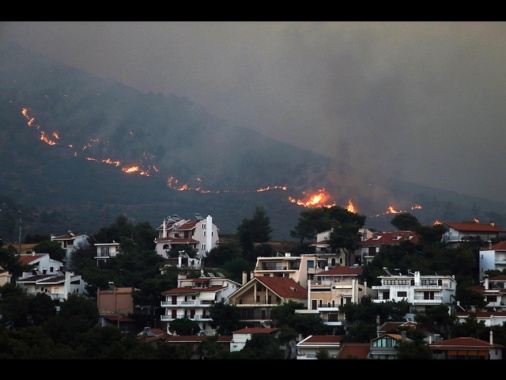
(71, 242)
(106, 251)
(57, 285)
(493, 258)
(420, 291)
(178, 234)
(192, 299)
(458, 233)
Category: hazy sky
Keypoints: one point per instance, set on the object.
(421, 101)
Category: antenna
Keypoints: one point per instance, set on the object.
(386, 270)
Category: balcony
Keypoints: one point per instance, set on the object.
(195, 303)
(195, 318)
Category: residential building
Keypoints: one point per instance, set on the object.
(332, 289)
(240, 337)
(420, 291)
(465, 232)
(106, 251)
(71, 242)
(322, 246)
(298, 268)
(41, 263)
(115, 305)
(178, 235)
(489, 318)
(48, 276)
(192, 298)
(493, 257)
(493, 290)
(309, 347)
(466, 348)
(153, 336)
(58, 285)
(257, 297)
(371, 246)
(385, 346)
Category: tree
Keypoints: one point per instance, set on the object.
(222, 254)
(405, 222)
(225, 317)
(9, 261)
(54, 248)
(310, 223)
(255, 230)
(262, 346)
(184, 326)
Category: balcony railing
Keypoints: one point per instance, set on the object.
(196, 317)
(186, 303)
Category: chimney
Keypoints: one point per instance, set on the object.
(403, 334)
(244, 277)
(491, 337)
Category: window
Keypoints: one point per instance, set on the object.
(402, 294)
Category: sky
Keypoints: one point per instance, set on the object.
(418, 101)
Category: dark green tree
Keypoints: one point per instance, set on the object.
(310, 223)
(411, 350)
(468, 297)
(54, 248)
(184, 326)
(437, 320)
(405, 222)
(77, 315)
(225, 317)
(262, 346)
(9, 261)
(223, 253)
(255, 230)
(14, 306)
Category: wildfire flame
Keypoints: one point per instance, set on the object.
(319, 198)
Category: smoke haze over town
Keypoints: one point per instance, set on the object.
(417, 101)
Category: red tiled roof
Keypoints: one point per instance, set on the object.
(284, 287)
(392, 238)
(500, 277)
(497, 247)
(464, 342)
(177, 240)
(193, 290)
(387, 326)
(321, 339)
(28, 259)
(474, 227)
(256, 330)
(196, 338)
(354, 351)
(342, 271)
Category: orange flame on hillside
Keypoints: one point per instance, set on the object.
(319, 198)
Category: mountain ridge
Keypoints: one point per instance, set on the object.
(68, 140)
